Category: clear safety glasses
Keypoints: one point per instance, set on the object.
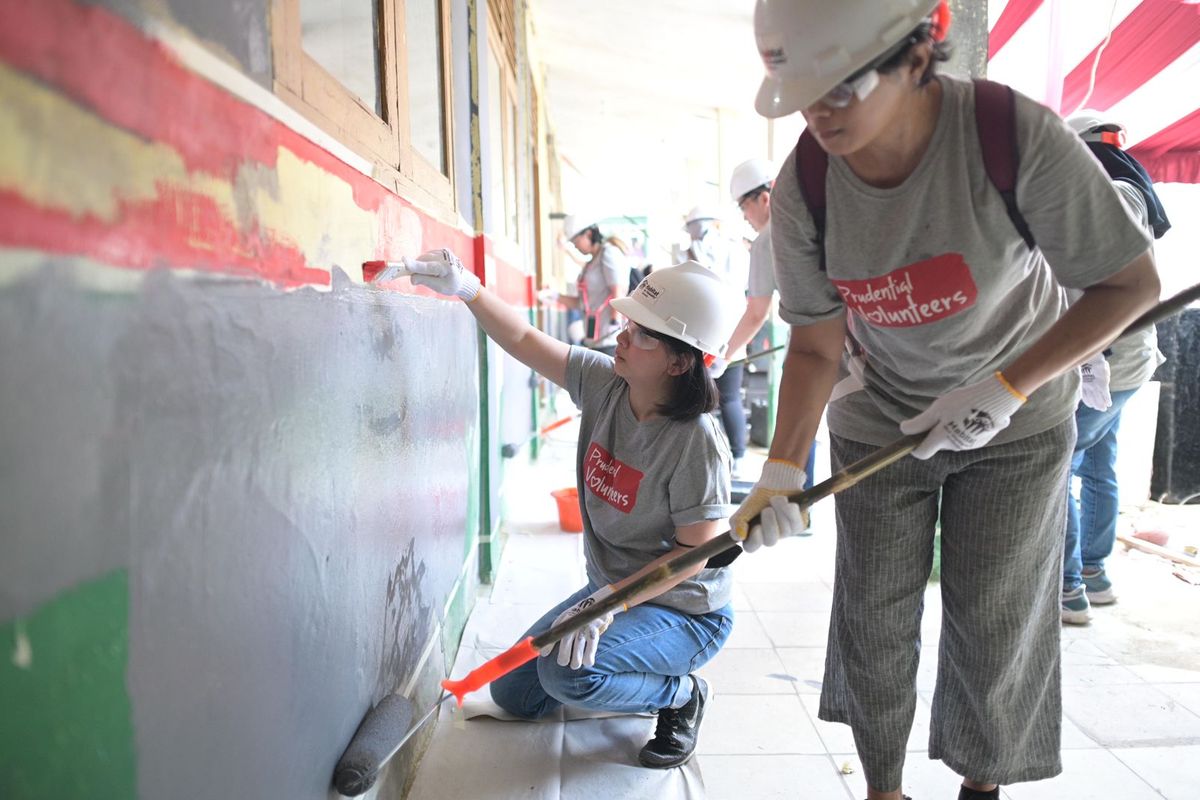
(844, 93)
(638, 336)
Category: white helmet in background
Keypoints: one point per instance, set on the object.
(700, 213)
(1094, 126)
(686, 302)
(810, 46)
(575, 224)
(749, 175)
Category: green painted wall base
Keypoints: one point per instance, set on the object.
(66, 729)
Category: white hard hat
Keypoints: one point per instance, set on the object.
(749, 175)
(701, 212)
(686, 302)
(575, 224)
(1093, 125)
(810, 46)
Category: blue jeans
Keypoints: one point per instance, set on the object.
(1092, 522)
(642, 663)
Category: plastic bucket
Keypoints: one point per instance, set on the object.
(570, 519)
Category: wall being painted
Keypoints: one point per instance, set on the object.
(239, 490)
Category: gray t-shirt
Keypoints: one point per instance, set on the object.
(1134, 357)
(606, 268)
(939, 289)
(762, 265)
(639, 481)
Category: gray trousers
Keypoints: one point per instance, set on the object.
(997, 706)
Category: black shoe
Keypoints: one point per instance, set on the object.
(674, 739)
(974, 794)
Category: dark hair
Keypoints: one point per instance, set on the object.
(902, 53)
(754, 194)
(693, 392)
(593, 234)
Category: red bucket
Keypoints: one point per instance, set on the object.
(570, 518)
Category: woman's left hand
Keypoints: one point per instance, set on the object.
(579, 649)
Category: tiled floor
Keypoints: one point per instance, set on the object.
(1131, 689)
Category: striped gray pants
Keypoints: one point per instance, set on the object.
(997, 706)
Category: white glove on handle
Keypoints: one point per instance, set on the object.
(440, 270)
(779, 518)
(965, 418)
(579, 648)
(1096, 373)
(718, 368)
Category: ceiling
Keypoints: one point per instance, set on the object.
(651, 102)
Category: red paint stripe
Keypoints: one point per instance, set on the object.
(106, 65)
(1014, 15)
(149, 235)
(1155, 34)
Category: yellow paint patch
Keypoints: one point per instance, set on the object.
(303, 204)
(60, 156)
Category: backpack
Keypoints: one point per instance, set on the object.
(995, 123)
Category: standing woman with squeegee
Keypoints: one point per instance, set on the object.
(653, 474)
(964, 333)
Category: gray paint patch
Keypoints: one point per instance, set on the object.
(286, 478)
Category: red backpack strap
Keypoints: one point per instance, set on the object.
(995, 122)
(811, 165)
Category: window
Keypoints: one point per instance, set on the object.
(503, 142)
(375, 74)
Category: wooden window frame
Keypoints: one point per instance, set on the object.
(509, 136)
(313, 91)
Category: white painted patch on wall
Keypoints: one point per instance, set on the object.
(22, 657)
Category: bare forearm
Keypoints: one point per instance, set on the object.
(757, 310)
(1090, 324)
(509, 328)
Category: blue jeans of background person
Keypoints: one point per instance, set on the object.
(642, 663)
(1092, 521)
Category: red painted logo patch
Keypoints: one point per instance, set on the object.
(915, 294)
(611, 479)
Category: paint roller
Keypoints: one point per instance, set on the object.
(363, 754)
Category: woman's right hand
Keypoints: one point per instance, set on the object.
(441, 271)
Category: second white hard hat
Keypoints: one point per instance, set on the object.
(575, 224)
(810, 46)
(749, 175)
(686, 302)
(1095, 126)
(701, 212)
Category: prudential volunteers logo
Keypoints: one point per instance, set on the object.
(611, 479)
(917, 294)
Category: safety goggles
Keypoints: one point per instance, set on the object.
(859, 86)
(639, 337)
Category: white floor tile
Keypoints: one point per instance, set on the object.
(806, 665)
(1163, 673)
(1171, 771)
(796, 628)
(1187, 694)
(758, 725)
(747, 671)
(924, 779)
(1087, 775)
(809, 597)
(1123, 715)
(782, 777)
(748, 631)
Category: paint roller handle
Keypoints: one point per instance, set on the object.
(520, 653)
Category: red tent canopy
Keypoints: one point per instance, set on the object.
(1145, 58)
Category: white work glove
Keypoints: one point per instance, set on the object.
(440, 270)
(778, 518)
(579, 648)
(965, 418)
(548, 296)
(1095, 374)
(718, 368)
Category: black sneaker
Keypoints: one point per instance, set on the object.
(974, 794)
(674, 739)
